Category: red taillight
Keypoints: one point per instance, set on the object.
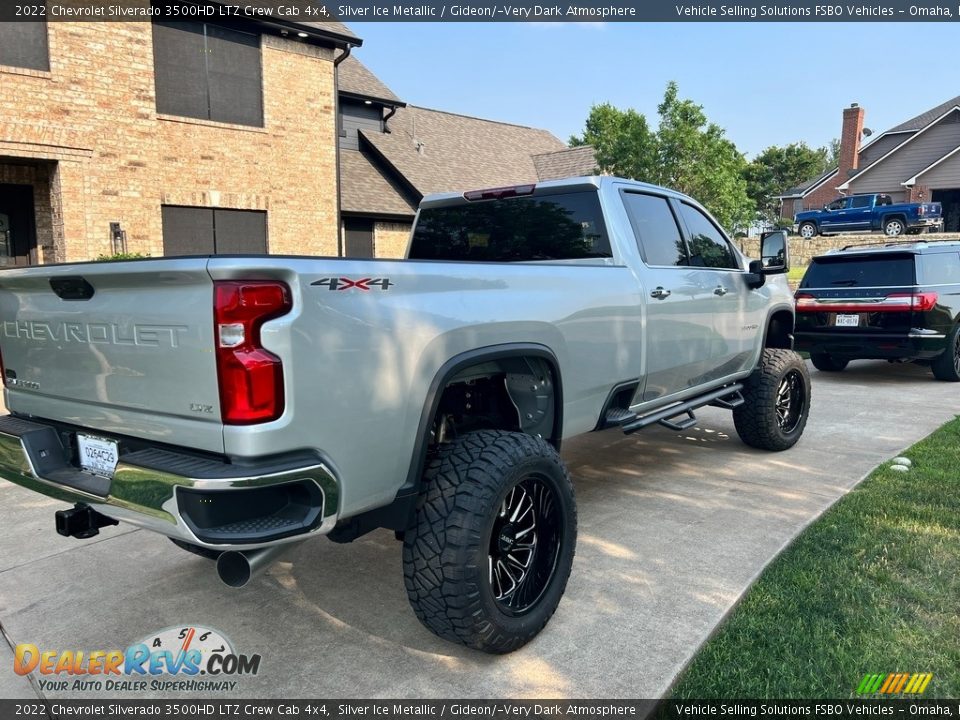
(921, 210)
(250, 378)
(895, 302)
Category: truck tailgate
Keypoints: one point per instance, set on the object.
(125, 348)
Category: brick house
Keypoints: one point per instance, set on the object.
(392, 154)
(167, 139)
(916, 161)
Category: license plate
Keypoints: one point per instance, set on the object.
(98, 455)
(848, 321)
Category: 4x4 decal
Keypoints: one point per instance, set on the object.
(365, 284)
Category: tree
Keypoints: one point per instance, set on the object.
(621, 140)
(777, 169)
(686, 153)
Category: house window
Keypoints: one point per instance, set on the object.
(708, 247)
(24, 45)
(656, 229)
(213, 231)
(357, 238)
(208, 72)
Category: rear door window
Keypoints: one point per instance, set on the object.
(940, 269)
(566, 226)
(656, 229)
(862, 271)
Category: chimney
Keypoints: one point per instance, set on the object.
(850, 141)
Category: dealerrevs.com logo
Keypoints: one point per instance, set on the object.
(171, 660)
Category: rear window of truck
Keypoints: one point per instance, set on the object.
(566, 226)
(860, 271)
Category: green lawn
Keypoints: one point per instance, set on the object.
(871, 587)
(795, 274)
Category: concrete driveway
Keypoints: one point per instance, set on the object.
(673, 528)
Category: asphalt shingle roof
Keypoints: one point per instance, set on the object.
(570, 162)
(439, 151)
(924, 119)
(365, 189)
(354, 78)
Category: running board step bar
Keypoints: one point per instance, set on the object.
(725, 397)
(616, 417)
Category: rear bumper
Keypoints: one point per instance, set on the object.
(926, 223)
(915, 345)
(198, 500)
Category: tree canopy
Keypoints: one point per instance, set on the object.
(777, 169)
(686, 153)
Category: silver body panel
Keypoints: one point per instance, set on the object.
(358, 364)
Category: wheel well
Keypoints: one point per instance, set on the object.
(894, 216)
(514, 393)
(780, 330)
(524, 375)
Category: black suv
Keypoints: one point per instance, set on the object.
(898, 301)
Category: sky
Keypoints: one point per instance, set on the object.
(765, 83)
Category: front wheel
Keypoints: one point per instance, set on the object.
(827, 363)
(894, 227)
(487, 559)
(807, 230)
(946, 366)
(777, 402)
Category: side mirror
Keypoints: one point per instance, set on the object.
(775, 252)
(774, 258)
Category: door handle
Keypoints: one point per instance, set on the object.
(720, 290)
(659, 293)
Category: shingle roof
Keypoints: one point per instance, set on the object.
(924, 119)
(570, 162)
(365, 189)
(353, 77)
(803, 187)
(439, 151)
(912, 125)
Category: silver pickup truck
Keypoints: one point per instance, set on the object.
(239, 405)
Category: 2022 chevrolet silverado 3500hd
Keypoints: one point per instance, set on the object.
(241, 404)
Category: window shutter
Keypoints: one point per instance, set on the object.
(187, 231)
(179, 60)
(234, 76)
(24, 45)
(240, 232)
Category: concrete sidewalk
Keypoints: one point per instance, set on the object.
(673, 528)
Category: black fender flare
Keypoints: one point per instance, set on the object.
(461, 362)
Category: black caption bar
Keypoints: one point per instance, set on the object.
(216, 709)
(482, 11)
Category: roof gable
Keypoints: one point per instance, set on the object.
(355, 78)
(909, 141)
(924, 119)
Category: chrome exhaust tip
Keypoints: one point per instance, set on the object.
(237, 569)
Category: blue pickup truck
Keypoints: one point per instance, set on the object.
(868, 213)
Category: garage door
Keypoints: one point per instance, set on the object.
(213, 231)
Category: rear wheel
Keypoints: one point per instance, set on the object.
(946, 366)
(827, 363)
(807, 230)
(487, 559)
(894, 227)
(777, 402)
